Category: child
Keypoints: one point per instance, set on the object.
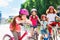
(51, 15)
(43, 29)
(15, 25)
(34, 19)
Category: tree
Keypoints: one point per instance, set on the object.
(40, 5)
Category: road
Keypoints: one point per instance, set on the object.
(4, 29)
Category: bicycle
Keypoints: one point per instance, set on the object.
(20, 38)
(58, 33)
(35, 36)
(12, 38)
(55, 28)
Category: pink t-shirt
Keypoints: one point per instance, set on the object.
(34, 20)
(18, 28)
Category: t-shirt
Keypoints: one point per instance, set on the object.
(43, 24)
(34, 20)
(18, 28)
(51, 17)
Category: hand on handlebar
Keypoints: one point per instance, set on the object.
(28, 22)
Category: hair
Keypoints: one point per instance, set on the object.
(14, 22)
(53, 11)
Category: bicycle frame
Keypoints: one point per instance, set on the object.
(55, 32)
(12, 38)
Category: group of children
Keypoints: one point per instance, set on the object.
(47, 22)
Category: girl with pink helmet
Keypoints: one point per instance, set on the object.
(15, 25)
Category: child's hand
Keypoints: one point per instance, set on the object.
(29, 22)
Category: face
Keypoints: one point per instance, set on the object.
(23, 17)
(51, 10)
(44, 19)
(33, 13)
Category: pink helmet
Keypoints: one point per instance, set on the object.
(24, 12)
(51, 7)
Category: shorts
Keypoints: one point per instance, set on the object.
(54, 23)
(34, 26)
(44, 31)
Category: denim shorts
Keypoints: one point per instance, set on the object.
(34, 26)
(44, 31)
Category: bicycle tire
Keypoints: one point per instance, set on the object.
(7, 36)
(36, 36)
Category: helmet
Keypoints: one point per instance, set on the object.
(43, 16)
(51, 7)
(24, 12)
(33, 10)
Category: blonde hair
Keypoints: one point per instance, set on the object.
(48, 11)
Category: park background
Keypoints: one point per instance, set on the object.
(10, 8)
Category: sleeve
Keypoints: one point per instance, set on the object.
(17, 20)
(37, 16)
(30, 17)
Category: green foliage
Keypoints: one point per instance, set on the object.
(40, 5)
(9, 20)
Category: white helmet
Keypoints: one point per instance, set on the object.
(33, 9)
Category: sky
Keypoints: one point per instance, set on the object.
(10, 7)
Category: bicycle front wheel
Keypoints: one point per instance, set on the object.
(7, 37)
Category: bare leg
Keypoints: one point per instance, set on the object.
(32, 31)
(36, 29)
(15, 34)
(41, 38)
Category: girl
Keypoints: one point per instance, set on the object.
(34, 19)
(15, 25)
(51, 15)
(43, 29)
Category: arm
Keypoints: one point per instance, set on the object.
(38, 19)
(29, 22)
(47, 19)
(20, 21)
(57, 16)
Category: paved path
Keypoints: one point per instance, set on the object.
(4, 29)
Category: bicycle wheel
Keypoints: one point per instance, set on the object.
(50, 38)
(30, 38)
(7, 37)
(36, 36)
